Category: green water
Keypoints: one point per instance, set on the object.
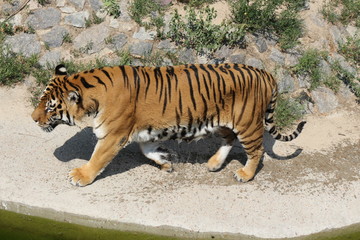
(14, 226)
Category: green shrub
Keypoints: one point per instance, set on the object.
(198, 31)
(348, 12)
(309, 64)
(277, 17)
(351, 49)
(139, 9)
(112, 8)
(287, 111)
(348, 78)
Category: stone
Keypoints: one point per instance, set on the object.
(353, 31)
(96, 5)
(286, 83)
(186, 56)
(277, 57)
(304, 81)
(238, 58)
(44, 18)
(77, 19)
(324, 99)
(140, 48)
(79, 4)
(9, 8)
(163, 2)
(336, 35)
(23, 43)
(60, 3)
(55, 37)
(325, 67)
(317, 19)
(261, 45)
(68, 9)
(167, 45)
(92, 39)
(119, 41)
(343, 63)
(50, 59)
(142, 34)
(223, 52)
(254, 62)
(124, 16)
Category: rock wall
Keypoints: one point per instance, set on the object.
(63, 30)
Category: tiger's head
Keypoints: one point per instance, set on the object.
(58, 104)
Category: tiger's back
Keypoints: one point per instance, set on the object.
(152, 104)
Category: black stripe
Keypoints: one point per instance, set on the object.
(147, 84)
(206, 87)
(101, 82)
(126, 79)
(85, 83)
(190, 88)
(191, 119)
(180, 103)
(108, 75)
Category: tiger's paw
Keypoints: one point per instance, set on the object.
(167, 167)
(242, 176)
(213, 164)
(80, 176)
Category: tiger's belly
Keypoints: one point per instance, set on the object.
(180, 133)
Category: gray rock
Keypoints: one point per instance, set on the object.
(77, 19)
(286, 83)
(9, 8)
(167, 45)
(261, 45)
(55, 37)
(352, 30)
(336, 35)
(324, 99)
(50, 59)
(223, 52)
(60, 3)
(238, 58)
(317, 19)
(254, 62)
(124, 16)
(68, 9)
(277, 56)
(142, 34)
(343, 63)
(141, 48)
(96, 5)
(187, 56)
(163, 2)
(23, 43)
(325, 68)
(304, 81)
(44, 18)
(79, 4)
(119, 41)
(92, 39)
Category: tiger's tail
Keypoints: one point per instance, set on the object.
(271, 127)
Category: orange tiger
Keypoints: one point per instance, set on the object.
(149, 105)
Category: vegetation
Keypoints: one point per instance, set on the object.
(198, 31)
(277, 17)
(349, 11)
(309, 65)
(112, 8)
(288, 110)
(351, 49)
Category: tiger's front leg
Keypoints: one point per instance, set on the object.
(105, 150)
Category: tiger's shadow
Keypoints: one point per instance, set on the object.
(82, 144)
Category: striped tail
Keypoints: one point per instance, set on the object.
(270, 125)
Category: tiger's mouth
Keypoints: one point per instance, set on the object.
(51, 126)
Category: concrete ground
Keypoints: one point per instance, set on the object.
(309, 185)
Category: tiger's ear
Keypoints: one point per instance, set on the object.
(60, 70)
(74, 97)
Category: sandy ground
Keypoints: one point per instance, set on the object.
(309, 185)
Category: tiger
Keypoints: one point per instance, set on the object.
(150, 105)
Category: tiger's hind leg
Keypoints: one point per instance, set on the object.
(253, 146)
(158, 154)
(217, 160)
